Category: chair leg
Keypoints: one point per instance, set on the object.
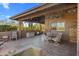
(16, 39)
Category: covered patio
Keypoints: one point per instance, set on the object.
(59, 17)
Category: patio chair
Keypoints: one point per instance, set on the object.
(13, 35)
(50, 34)
(54, 33)
(57, 39)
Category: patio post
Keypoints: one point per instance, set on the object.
(20, 29)
(30, 25)
(47, 24)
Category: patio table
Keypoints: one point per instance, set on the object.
(5, 38)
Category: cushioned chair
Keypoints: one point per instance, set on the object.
(51, 33)
(14, 35)
(57, 39)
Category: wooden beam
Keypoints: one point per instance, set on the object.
(45, 12)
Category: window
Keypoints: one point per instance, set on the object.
(59, 26)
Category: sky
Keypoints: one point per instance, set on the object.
(10, 9)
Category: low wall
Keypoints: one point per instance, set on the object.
(20, 34)
(7, 33)
(25, 34)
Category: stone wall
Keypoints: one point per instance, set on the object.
(70, 21)
(8, 33)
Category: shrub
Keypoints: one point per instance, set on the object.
(7, 28)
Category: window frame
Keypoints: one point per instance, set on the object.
(56, 26)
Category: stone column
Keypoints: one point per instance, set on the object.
(47, 24)
(20, 29)
(30, 25)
